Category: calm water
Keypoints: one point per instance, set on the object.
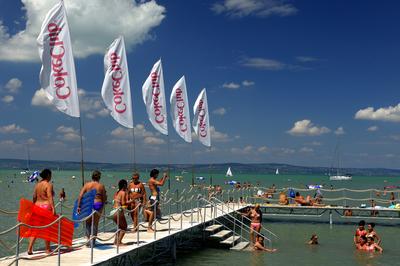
(336, 243)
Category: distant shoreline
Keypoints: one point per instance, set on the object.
(237, 168)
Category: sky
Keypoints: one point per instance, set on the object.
(287, 81)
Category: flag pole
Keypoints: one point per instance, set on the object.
(133, 153)
(82, 170)
(168, 163)
(192, 159)
(210, 168)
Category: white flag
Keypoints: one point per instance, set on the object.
(57, 76)
(201, 119)
(180, 110)
(116, 90)
(154, 98)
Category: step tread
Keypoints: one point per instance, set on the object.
(240, 246)
(213, 228)
(230, 240)
(222, 234)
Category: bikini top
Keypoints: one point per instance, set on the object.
(360, 232)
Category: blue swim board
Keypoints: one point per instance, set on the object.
(86, 206)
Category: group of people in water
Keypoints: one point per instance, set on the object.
(130, 197)
(366, 238)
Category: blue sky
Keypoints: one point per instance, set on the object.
(282, 77)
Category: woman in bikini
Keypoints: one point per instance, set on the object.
(120, 203)
(255, 215)
(371, 246)
(259, 245)
(137, 193)
(361, 243)
(372, 233)
(43, 197)
(98, 204)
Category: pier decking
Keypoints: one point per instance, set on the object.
(106, 251)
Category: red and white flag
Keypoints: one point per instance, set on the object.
(180, 110)
(154, 98)
(57, 75)
(201, 119)
(116, 90)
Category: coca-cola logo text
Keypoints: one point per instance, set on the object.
(202, 118)
(157, 107)
(180, 105)
(117, 76)
(57, 52)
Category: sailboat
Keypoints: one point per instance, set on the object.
(27, 170)
(229, 173)
(339, 176)
(277, 171)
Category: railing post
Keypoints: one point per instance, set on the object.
(181, 216)
(204, 218)
(191, 212)
(117, 233)
(17, 248)
(169, 218)
(104, 220)
(91, 239)
(198, 211)
(241, 229)
(155, 219)
(234, 231)
(138, 226)
(59, 241)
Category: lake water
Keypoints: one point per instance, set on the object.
(336, 246)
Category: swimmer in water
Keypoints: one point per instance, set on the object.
(372, 233)
(313, 240)
(371, 246)
(137, 193)
(359, 232)
(259, 245)
(43, 196)
(361, 243)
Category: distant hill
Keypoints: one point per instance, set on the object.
(238, 168)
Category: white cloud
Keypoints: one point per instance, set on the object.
(340, 131)
(40, 99)
(263, 63)
(306, 150)
(68, 134)
(306, 59)
(31, 141)
(140, 132)
(314, 143)
(91, 104)
(153, 140)
(391, 114)
(220, 111)
(246, 150)
(219, 136)
(12, 129)
(14, 84)
(93, 23)
(262, 149)
(248, 83)
(306, 128)
(7, 99)
(257, 8)
(373, 128)
(231, 85)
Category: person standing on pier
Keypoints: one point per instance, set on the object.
(98, 204)
(155, 195)
(43, 197)
(137, 193)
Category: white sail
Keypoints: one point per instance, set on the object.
(229, 172)
(277, 171)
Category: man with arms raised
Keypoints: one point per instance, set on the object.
(154, 194)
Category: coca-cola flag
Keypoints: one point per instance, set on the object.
(154, 98)
(116, 90)
(180, 110)
(57, 75)
(201, 119)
